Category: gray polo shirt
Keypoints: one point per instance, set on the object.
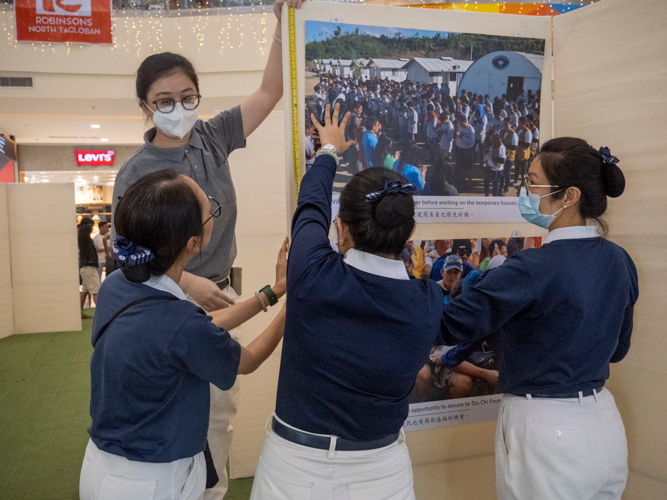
(204, 159)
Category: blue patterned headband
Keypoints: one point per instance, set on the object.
(390, 188)
(129, 254)
(607, 157)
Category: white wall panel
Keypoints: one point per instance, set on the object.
(45, 270)
(6, 296)
(259, 178)
(610, 70)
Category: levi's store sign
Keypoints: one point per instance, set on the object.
(94, 158)
(60, 21)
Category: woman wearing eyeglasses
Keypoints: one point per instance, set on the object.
(156, 353)
(563, 313)
(167, 88)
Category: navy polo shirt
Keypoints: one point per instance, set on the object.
(150, 373)
(563, 312)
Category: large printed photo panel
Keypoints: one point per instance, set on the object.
(457, 114)
(457, 107)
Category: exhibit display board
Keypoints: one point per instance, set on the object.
(463, 388)
(361, 32)
(611, 56)
(44, 262)
(502, 57)
(260, 231)
(449, 189)
(608, 58)
(6, 296)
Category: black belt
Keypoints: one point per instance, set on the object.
(567, 395)
(323, 443)
(223, 284)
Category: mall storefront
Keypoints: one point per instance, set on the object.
(92, 170)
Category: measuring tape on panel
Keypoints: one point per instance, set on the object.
(296, 150)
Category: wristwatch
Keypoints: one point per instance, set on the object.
(273, 298)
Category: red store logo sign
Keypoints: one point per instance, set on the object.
(62, 21)
(94, 158)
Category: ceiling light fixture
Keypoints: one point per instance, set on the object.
(104, 140)
(94, 125)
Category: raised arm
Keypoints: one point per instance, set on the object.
(311, 221)
(260, 103)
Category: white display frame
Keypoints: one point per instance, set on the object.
(421, 19)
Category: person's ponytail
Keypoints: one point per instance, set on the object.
(395, 210)
(154, 220)
(571, 162)
(137, 274)
(383, 224)
(613, 180)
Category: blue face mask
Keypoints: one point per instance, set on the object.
(529, 206)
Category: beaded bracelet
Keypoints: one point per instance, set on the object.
(261, 301)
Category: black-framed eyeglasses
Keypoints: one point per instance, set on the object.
(464, 251)
(215, 212)
(167, 104)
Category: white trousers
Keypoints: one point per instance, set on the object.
(288, 471)
(224, 405)
(110, 477)
(560, 449)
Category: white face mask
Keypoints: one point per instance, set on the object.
(177, 123)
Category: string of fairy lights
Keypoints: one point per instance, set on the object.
(144, 35)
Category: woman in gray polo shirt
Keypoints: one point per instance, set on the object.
(168, 91)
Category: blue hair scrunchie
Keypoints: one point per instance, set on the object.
(129, 254)
(391, 188)
(607, 157)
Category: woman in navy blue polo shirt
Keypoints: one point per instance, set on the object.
(563, 313)
(358, 331)
(156, 353)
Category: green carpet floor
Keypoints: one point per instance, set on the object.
(44, 398)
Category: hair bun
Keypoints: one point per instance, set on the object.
(613, 180)
(137, 274)
(391, 212)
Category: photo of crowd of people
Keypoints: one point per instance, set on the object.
(457, 114)
(466, 370)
